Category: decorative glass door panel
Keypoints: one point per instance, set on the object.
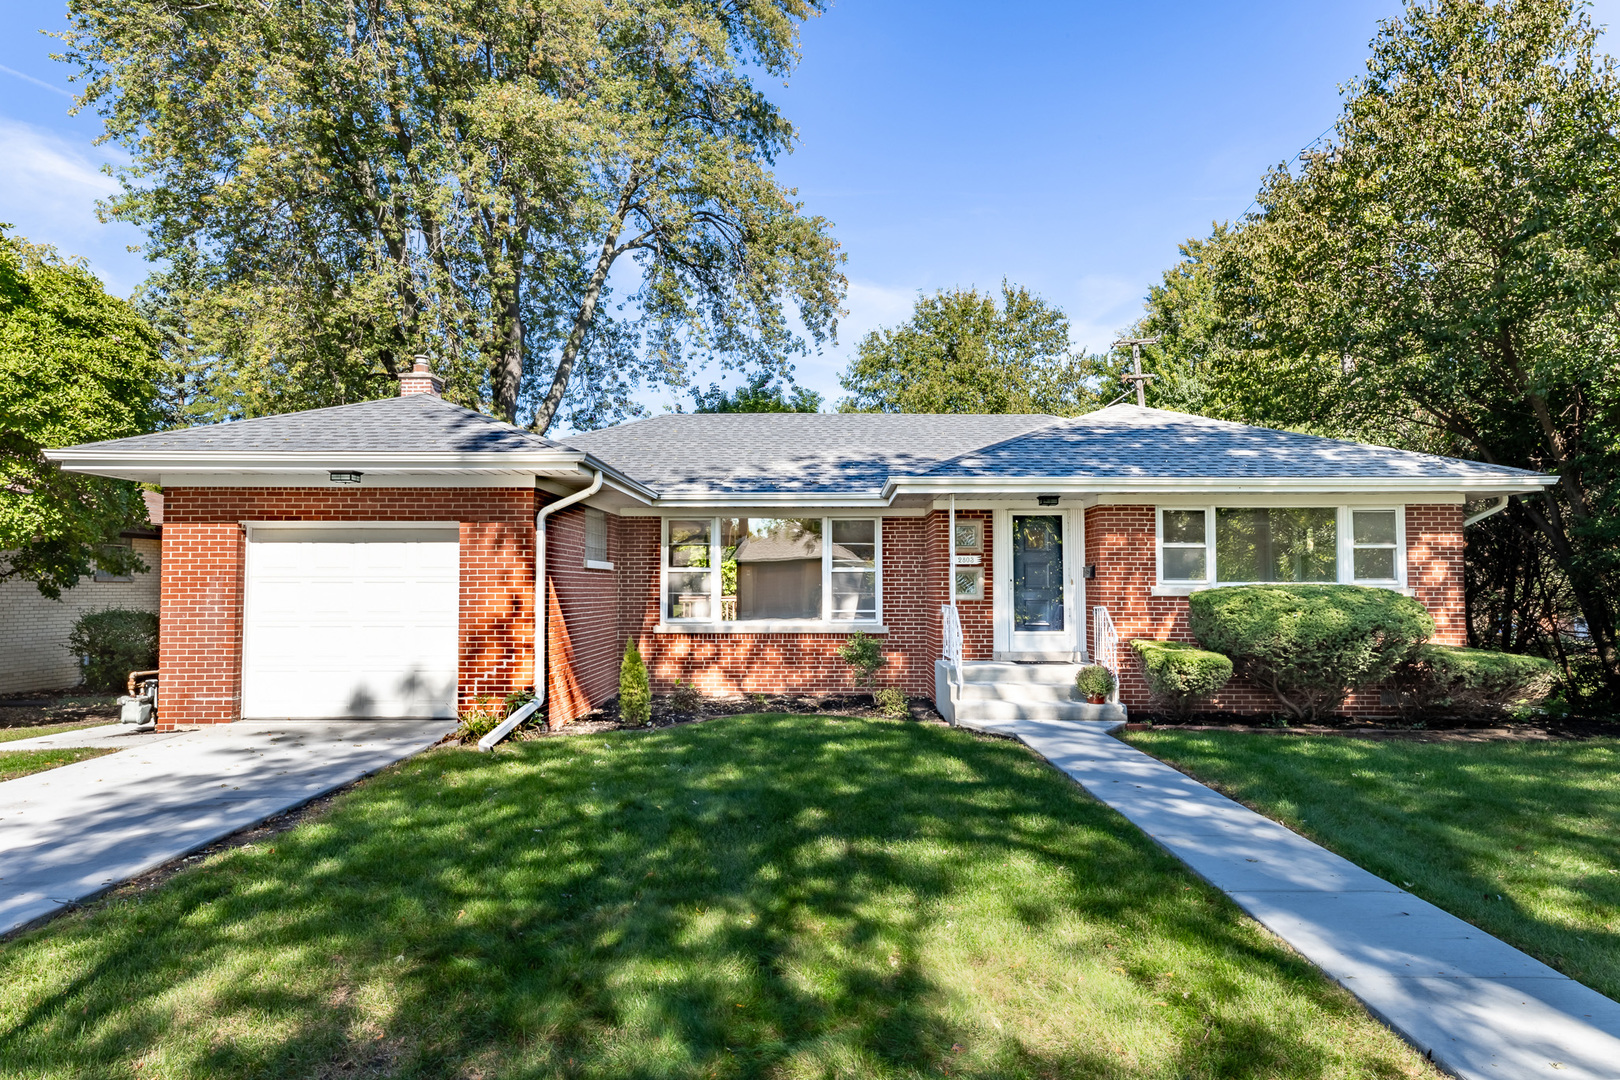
(1039, 602)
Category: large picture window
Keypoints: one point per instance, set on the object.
(1231, 545)
(738, 569)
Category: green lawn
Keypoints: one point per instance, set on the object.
(1522, 839)
(15, 763)
(763, 895)
(12, 734)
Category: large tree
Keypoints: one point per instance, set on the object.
(1443, 272)
(962, 352)
(759, 394)
(76, 365)
(334, 186)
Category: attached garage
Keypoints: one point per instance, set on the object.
(352, 620)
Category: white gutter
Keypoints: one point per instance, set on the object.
(1493, 485)
(506, 726)
(1500, 505)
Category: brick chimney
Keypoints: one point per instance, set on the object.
(420, 380)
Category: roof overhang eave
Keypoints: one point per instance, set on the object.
(1177, 485)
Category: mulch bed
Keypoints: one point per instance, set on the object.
(41, 708)
(666, 715)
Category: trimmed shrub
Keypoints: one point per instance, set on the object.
(635, 692)
(684, 698)
(1310, 645)
(1094, 680)
(864, 654)
(1179, 674)
(114, 643)
(1472, 683)
(893, 703)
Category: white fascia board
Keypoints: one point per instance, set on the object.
(713, 500)
(1059, 485)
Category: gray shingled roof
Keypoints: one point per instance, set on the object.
(1125, 442)
(420, 423)
(759, 453)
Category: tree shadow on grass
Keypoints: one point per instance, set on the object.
(748, 897)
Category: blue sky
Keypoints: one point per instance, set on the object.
(1064, 146)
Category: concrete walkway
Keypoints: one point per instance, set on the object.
(1476, 1005)
(69, 834)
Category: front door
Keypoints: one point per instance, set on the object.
(1039, 612)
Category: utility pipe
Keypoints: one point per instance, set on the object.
(506, 726)
(1501, 504)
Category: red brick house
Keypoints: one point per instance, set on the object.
(380, 559)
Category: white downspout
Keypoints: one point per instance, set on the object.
(1501, 504)
(506, 726)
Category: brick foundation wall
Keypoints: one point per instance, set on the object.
(1120, 541)
(203, 546)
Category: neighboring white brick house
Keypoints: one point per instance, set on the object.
(34, 631)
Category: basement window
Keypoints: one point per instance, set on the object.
(596, 542)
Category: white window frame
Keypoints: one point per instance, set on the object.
(1347, 549)
(602, 563)
(823, 623)
(1344, 543)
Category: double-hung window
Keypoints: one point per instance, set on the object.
(741, 570)
(1236, 545)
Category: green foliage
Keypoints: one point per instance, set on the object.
(481, 719)
(1179, 674)
(114, 642)
(892, 702)
(759, 394)
(336, 187)
(864, 653)
(1472, 683)
(1310, 645)
(1443, 274)
(961, 353)
(635, 691)
(516, 700)
(76, 365)
(1094, 680)
(684, 698)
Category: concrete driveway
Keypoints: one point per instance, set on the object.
(68, 834)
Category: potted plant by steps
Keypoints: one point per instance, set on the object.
(1095, 682)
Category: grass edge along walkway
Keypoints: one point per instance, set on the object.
(791, 896)
(15, 764)
(1517, 838)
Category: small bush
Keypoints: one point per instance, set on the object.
(481, 719)
(1179, 674)
(635, 693)
(1472, 683)
(114, 642)
(1310, 645)
(1094, 680)
(517, 699)
(865, 655)
(893, 702)
(684, 698)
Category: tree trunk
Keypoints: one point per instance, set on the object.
(506, 366)
(546, 411)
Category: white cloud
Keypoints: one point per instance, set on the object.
(48, 191)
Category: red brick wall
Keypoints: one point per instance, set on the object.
(582, 618)
(201, 610)
(1120, 541)
(977, 616)
(730, 664)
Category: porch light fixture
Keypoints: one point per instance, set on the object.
(1046, 500)
(339, 476)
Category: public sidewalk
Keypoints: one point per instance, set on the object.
(71, 833)
(1477, 1006)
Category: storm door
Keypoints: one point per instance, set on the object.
(1039, 602)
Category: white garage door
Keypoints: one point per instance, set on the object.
(350, 622)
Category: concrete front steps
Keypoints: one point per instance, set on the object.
(986, 694)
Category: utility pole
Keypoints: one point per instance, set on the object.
(1136, 375)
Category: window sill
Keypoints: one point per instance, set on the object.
(594, 564)
(771, 626)
(1188, 588)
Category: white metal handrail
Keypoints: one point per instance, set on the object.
(953, 645)
(1105, 641)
